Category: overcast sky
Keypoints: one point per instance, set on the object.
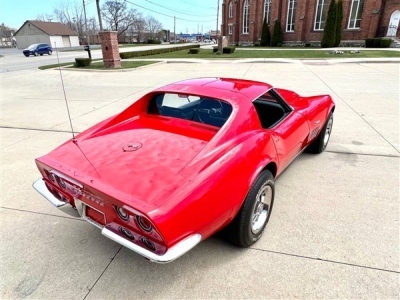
(191, 15)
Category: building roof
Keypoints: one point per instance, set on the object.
(51, 28)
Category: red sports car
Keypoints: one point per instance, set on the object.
(185, 161)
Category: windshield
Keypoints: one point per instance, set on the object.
(33, 46)
(189, 107)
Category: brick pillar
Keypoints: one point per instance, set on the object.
(109, 47)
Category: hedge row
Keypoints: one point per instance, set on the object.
(228, 50)
(194, 50)
(125, 55)
(83, 62)
(377, 43)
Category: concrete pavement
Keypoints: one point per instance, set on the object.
(334, 231)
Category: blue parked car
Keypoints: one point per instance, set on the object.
(38, 49)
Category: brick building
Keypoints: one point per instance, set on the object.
(304, 20)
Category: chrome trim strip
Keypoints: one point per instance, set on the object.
(172, 253)
(66, 178)
(40, 186)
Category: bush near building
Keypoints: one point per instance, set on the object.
(339, 18)
(329, 35)
(265, 34)
(277, 35)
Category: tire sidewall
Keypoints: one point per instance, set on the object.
(323, 133)
(264, 179)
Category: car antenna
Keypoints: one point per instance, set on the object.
(65, 96)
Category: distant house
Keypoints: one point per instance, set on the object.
(53, 33)
(7, 39)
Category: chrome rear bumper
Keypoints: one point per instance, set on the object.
(40, 186)
(172, 253)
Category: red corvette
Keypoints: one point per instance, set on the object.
(185, 161)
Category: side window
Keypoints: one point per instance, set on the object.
(269, 109)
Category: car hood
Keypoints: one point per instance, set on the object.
(146, 164)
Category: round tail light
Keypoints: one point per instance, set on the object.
(122, 213)
(127, 233)
(149, 244)
(62, 183)
(52, 177)
(144, 223)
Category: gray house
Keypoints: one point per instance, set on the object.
(53, 33)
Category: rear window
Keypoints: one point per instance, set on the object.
(189, 107)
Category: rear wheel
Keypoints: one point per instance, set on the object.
(26, 55)
(321, 142)
(41, 54)
(50, 52)
(249, 224)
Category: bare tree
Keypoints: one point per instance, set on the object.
(45, 17)
(118, 16)
(153, 27)
(139, 27)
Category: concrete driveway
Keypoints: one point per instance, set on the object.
(334, 231)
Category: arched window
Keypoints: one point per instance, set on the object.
(267, 10)
(291, 15)
(246, 13)
(230, 10)
(320, 15)
(357, 7)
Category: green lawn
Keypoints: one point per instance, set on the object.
(291, 54)
(124, 65)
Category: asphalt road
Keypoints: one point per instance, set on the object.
(333, 233)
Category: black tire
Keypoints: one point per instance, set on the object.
(41, 54)
(36, 54)
(27, 55)
(320, 143)
(249, 224)
(50, 52)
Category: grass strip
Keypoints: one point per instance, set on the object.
(290, 54)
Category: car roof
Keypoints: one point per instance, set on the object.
(229, 89)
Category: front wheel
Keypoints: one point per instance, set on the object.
(50, 52)
(321, 142)
(249, 224)
(36, 54)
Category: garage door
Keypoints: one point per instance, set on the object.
(65, 39)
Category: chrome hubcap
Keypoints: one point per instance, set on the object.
(261, 209)
(328, 132)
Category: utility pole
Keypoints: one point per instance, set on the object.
(87, 33)
(216, 33)
(174, 29)
(99, 14)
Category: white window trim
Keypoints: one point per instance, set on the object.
(230, 10)
(230, 29)
(324, 2)
(357, 12)
(293, 16)
(246, 8)
(267, 13)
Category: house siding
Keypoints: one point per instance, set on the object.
(374, 20)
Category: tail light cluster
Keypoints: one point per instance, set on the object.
(141, 223)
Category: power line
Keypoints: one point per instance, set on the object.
(168, 15)
(174, 10)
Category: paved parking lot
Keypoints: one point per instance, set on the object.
(334, 231)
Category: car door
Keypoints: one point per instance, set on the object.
(288, 128)
(289, 137)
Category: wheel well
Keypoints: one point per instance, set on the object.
(272, 168)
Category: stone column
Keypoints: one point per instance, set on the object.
(109, 47)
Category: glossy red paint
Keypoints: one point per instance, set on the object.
(185, 177)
